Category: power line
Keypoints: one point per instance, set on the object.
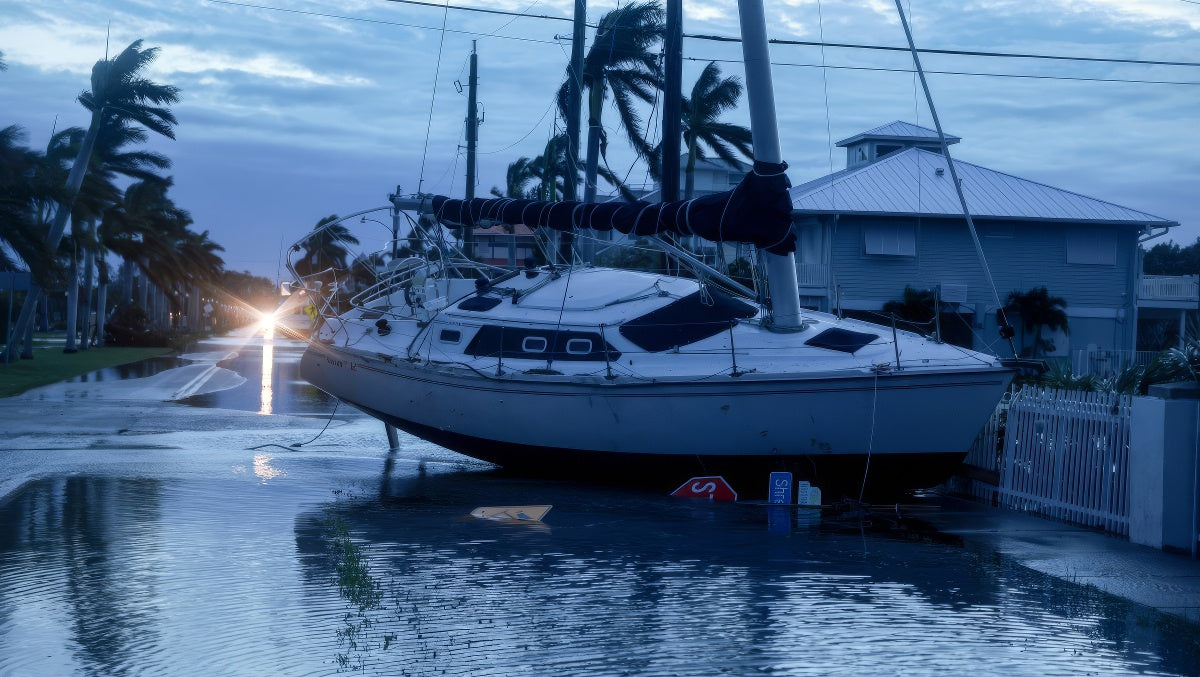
(987, 75)
(724, 38)
(952, 52)
(381, 21)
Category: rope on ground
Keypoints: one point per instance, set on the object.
(296, 445)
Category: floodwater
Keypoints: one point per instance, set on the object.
(199, 555)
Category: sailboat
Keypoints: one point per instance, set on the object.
(573, 369)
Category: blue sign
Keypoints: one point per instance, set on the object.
(779, 490)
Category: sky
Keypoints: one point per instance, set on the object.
(293, 110)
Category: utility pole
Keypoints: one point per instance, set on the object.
(574, 108)
(672, 100)
(472, 142)
(574, 100)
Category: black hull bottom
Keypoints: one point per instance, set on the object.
(887, 477)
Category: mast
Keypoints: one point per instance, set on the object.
(472, 142)
(764, 129)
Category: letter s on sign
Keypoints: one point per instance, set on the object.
(706, 488)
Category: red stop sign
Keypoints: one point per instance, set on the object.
(713, 488)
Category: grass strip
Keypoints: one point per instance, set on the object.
(51, 365)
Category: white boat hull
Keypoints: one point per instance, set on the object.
(746, 424)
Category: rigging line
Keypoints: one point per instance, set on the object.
(433, 99)
(825, 88)
(951, 52)
(962, 199)
(381, 22)
(968, 73)
(871, 439)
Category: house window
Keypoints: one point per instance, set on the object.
(890, 239)
(885, 148)
(1092, 246)
(735, 178)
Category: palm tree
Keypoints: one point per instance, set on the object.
(325, 249)
(22, 239)
(622, 60)
(1038, 310)
(711, 96)
(119, 93)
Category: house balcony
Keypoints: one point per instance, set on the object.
(1169, 291)
(812, 276)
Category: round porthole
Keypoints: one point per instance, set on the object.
(534, 344)
(579, 346)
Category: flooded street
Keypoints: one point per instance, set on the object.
(192, 537)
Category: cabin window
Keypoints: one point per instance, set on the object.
(579, 346)
(450, 336)
(890, 239)
(526, 343)
(534, 344)
(1092, 246)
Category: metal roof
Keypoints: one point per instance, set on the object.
(907, 183)
(901, 131)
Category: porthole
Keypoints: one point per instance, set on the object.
(450, 336)
(579, 346)
(534, 344)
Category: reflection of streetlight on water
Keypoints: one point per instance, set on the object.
(267, 394)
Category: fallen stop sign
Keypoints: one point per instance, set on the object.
(714, 488)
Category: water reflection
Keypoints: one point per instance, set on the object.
(88, 547)
(628, 583)
(266, 395)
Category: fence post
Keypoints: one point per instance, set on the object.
(1162, 467)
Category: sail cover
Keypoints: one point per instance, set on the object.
(758, 211)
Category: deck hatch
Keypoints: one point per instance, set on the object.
(692, 318)
(841, 339)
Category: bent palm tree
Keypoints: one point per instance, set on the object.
(119, 92)
(622, 60)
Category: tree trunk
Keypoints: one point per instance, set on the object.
(89, 260)
(143, 288)
(126, 283)
(101, 303)
(44, 318)
(689, 173)
(72, 305)
(74, 181)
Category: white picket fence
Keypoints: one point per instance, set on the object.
(1064, 454)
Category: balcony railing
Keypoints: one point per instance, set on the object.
(1170, 288)
(812, 274)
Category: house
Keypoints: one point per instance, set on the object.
(892, 219)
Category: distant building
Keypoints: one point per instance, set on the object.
(892, 219)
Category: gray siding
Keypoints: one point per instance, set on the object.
(1035, 255)
(1100, 300)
